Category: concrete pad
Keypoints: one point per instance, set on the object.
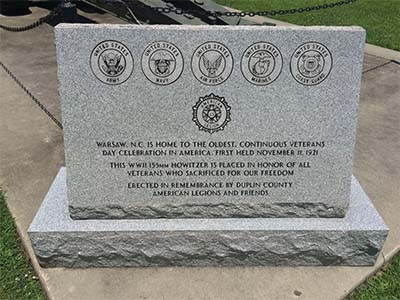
(32, 152)
(377, 156)
(27, 54)
(97, 15)
(371, 62)
(382, 52)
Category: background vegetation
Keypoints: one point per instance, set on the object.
(380, 18)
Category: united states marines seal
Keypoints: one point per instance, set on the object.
(211, 113)
(311, 63)
(212, 63)
(111, 62)
(162, 63)
(261, 63)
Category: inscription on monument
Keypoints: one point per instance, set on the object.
(144, 160)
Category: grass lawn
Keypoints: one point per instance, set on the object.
(18, 280)
(385, 285)
(380, 18)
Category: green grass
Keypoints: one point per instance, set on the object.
(380, 18)
(18, 280)
(385, 285)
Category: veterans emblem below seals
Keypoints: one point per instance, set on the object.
(261, 63)
(212, 63)
(311, 63)
(111, 62)
(211, 113)
(162, 63)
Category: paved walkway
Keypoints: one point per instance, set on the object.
(32, 152)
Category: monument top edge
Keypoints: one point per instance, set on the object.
(209, 27)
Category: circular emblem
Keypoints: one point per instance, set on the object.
(211, 113)
(162, 63)
(212, 63)
(261, 63)
(311, 63)
(111, 62)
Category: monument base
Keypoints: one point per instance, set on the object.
(60, 241)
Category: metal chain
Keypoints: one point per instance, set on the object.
(54, 13)
(38, 103)
(179, 11)
(165, 10)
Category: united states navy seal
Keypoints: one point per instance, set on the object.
(162, 62)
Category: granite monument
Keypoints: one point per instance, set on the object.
(208, 145)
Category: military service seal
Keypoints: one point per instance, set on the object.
(311, 63)
(211, 113)
(111, 62)
(212, 63)
(162, 63)
(261, 63)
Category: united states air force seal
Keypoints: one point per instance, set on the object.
(311, 63)
(111, 62)
(162, 63)
(211, 113)
(261, 63)
(212, 63)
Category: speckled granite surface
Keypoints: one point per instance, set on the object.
(279, 86)
(60, 241)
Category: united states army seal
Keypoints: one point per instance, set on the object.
(212, 63)
(261, 63)
(211, 113)
(111, 62)
(162, 63)
(311, 63)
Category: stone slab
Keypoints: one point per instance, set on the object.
(257, 123)
(60, 241)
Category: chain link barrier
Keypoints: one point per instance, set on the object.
(51, 15)
(205, 13)
(37, 102)
(266, 13)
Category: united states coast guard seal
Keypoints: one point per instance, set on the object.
(111, 62)
(162, 63)
(311, 63)
(211, 113)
